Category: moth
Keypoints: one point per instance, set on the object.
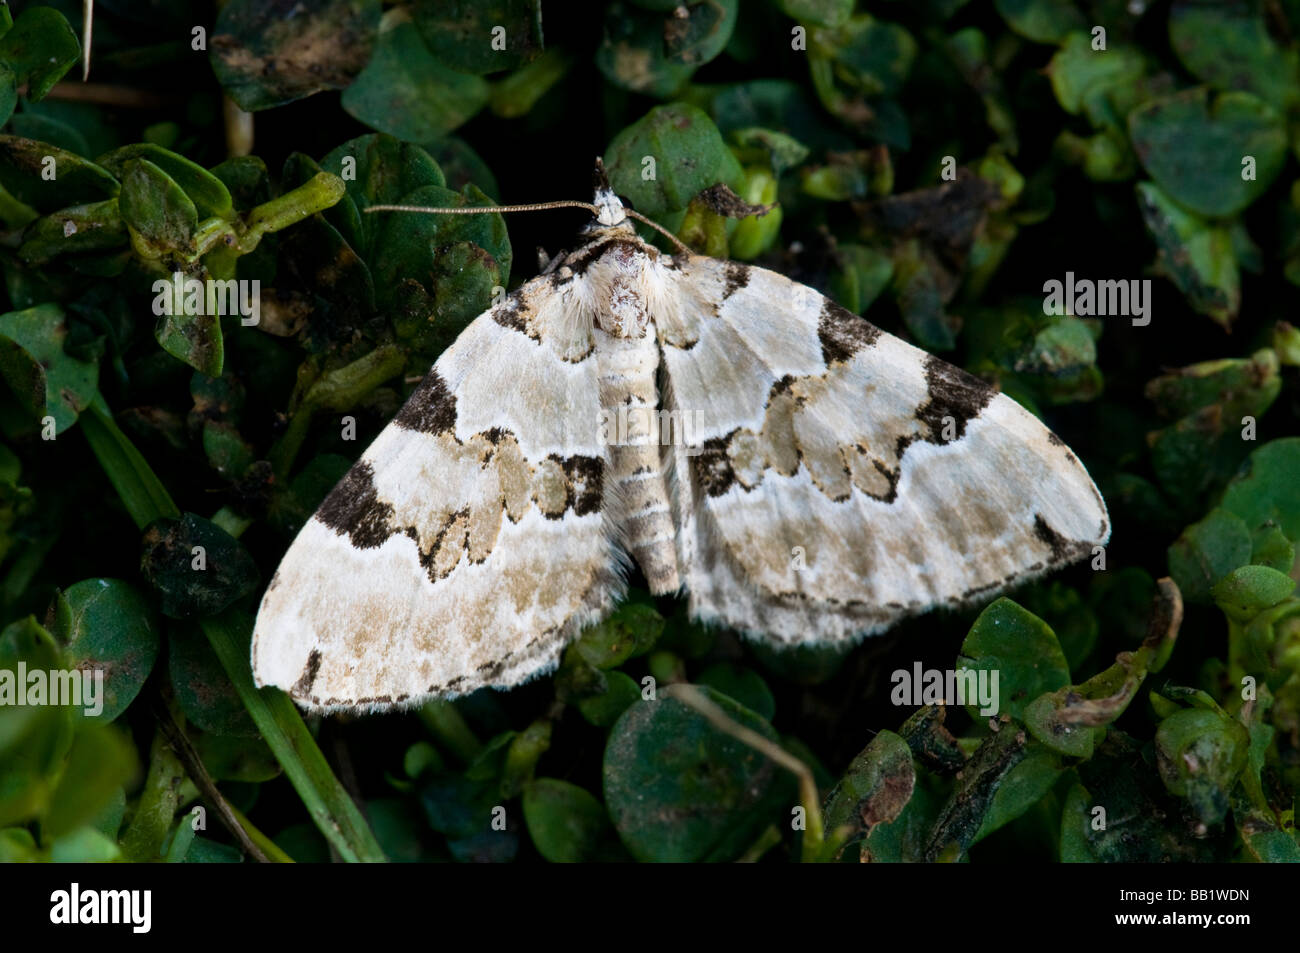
(800, 475)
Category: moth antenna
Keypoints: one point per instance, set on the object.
(483, 209)
(681, 246)
(535, 207)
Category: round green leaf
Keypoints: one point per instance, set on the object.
(688, 156)
(1200, 754)
(1267, 489)
(270, 52)
(1250, 589)
(203, 689)
(196, 566)
(1043, 21)
(1207, 551)
(567, 824)
(40, 47)
(1194, 147)
(43, 376)
(107, 625)
(620, 693)
(680, 789)
(1228, 46)
(481, 36)
(406, 92)
(1022, 649)
(376, 170)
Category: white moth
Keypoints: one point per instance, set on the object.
(800, 475)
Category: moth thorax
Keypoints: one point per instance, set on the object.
(625, 314)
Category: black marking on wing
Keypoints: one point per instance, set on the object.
(354, 508)
(430, 409)
(842, 333)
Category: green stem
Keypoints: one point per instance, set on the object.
(282, 728)
(143, 495)
(340, 389)
(144, 838)
(446, 724)
(276, 718)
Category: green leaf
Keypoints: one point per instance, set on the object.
(47, 178)
(34, 738)
(1266, 490)
(376, 169)
(406, 92)
(1043, 21)
(603, 709)
(271, 52)
(105, 625)
(480, 36)
(1228, 46)
(162, 218)
(197, 567)
(74, 230)
(203, 691)
(742, 684)
(702, 34)
(206, 191)
(439, 270)
(1023, 786)
(1194, 148)
(875, 789)
(1200, 754)
(871, 57)
(1018, 648)
(1249, 590)
(101, 761)
(145, 498)
(1270, 547)
(864, 273)
(817, 12)
(85, 845)
(39, 48)
(1081, 76)
(680, 789)
(43, 376)
(1075, 821)
(631, 630)
(632, 54)
(688, 156)
(1207, 551)
(1072, 719)
(567, 824)
(1197, 256)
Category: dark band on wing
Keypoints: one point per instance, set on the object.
(430, 409)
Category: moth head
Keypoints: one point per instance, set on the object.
(610, 212)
